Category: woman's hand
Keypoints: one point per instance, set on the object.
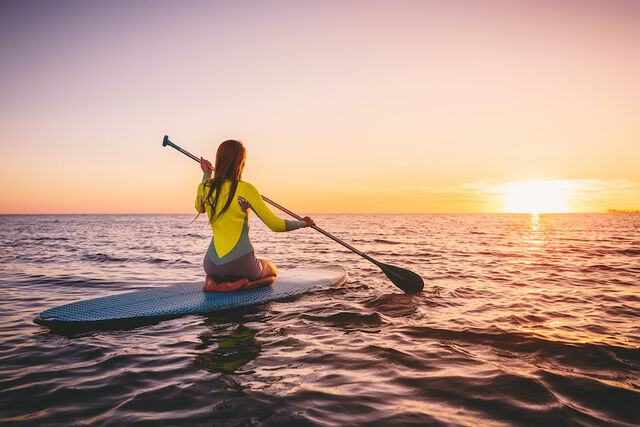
(309, 221)
(205, 165)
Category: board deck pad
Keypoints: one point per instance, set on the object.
(190, 298)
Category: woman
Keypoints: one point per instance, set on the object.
(230, 261)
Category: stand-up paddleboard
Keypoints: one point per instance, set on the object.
(189, 298)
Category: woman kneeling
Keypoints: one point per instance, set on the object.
(230, 261)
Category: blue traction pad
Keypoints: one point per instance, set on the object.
(190, 298)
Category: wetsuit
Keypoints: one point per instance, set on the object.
(230, 254)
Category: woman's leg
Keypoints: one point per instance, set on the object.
(268, 276)
(268, 269)
(228, 277)
(245, 266)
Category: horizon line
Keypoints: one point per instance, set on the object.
(329, 213)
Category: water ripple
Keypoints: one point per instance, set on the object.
(524, 320)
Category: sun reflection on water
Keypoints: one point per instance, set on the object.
(533, 237)
(535, 221)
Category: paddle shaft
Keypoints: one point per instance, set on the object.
(166, 141)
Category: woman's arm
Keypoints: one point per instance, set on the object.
(205, 165)
(200, 199)
(275, 223)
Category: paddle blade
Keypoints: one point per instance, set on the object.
(406, 280)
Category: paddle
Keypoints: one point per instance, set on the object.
(406, 280)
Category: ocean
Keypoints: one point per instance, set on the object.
(524, 320)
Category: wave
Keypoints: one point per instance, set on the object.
(101, 257)
(603, 267)
(105, 258)
(550, 338)
(588, 356)
(44, 238)
(351, 319)
(630, 252)
(190, 235)
(388, 242)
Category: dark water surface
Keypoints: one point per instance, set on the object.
(524, 320)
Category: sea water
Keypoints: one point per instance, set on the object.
(524, 320)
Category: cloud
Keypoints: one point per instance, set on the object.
(482, 187)
(579, 187)
(599, 187)
(579, 195)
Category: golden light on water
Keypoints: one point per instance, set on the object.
(549, 196)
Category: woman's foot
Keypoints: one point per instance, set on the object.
(209, 284)
(264, 281)
(268, 276)
(238, 285)
(268, 269)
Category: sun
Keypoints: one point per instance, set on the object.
(550, 196)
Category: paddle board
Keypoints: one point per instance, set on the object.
(189, 298)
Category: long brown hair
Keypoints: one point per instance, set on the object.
(229, 165)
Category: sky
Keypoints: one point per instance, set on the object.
(343, 106)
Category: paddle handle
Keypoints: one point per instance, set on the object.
(166, 142)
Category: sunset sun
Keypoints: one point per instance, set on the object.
(535, 196)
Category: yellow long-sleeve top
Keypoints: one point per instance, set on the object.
(230, 238)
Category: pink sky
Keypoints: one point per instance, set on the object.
(356, 106)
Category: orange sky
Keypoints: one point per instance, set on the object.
(364, 106)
